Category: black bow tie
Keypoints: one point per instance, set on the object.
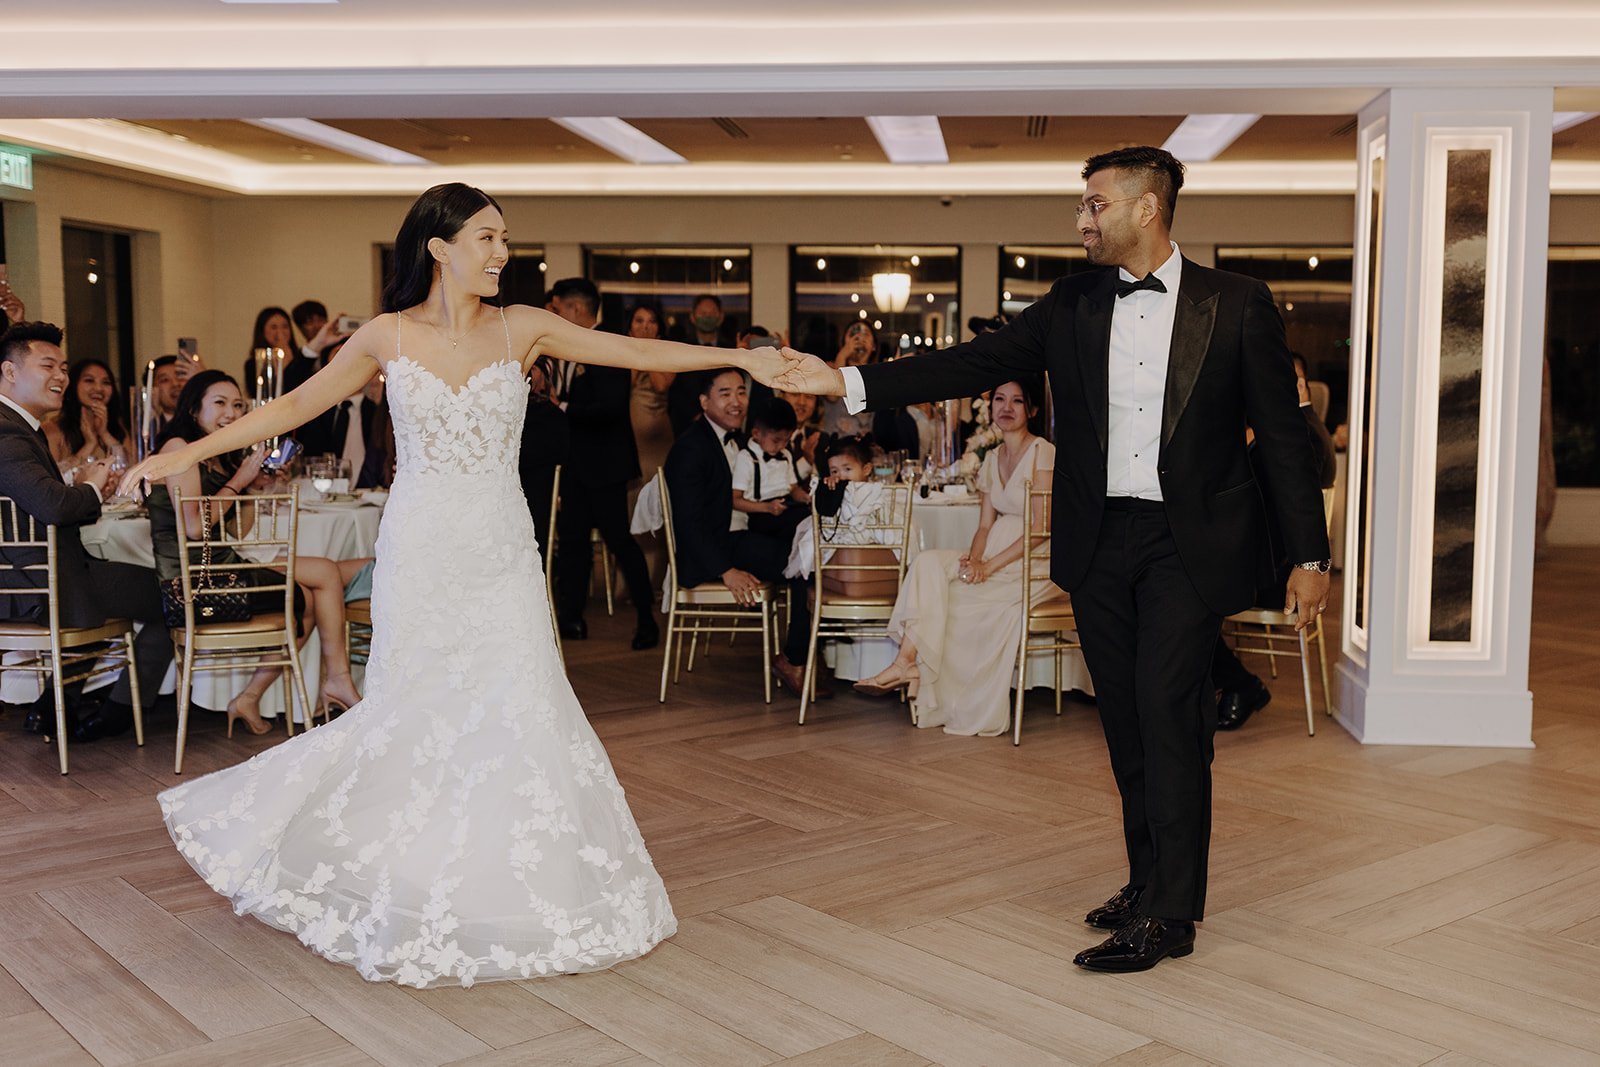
(1149, 281)
(734, 438)
(774, 457)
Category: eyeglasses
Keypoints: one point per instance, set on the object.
(1094, 207)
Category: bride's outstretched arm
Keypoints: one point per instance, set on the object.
(548, 334)
(351, 368)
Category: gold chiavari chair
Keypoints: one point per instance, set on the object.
(1269, 621)
(853, 591)
(263, 525)
(65, 653)
(1047, 621)
(358, 629)
(709, 608)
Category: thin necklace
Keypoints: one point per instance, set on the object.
(454, 341)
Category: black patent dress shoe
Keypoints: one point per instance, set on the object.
(1237, 705)
(647, 635)
(107, 720)
(1139, 946)
(574, 630)
(1117, 912)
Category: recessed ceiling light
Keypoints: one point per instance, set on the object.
(910, 138)
(621, 139)
(333, 137)
(1565, 120)
(1202, 138)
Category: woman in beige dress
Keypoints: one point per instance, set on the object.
(652, 430)
(959, 614)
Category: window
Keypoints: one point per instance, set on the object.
(97, 282)
(522, 282)
(909, 295)
(1028, 271)
(673, 278)
(1311, 287)
(1572, 340)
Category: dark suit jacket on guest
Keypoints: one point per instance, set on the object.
(700, 486)
(1228, 366)
(602, 429)
(546, 444)
(30, 477)
(326, 433)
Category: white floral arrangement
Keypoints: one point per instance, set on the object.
(985, 436)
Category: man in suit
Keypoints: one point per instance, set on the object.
(345, 429)
(546, 444)
(699, 472)
(1156, 368)
(1241, 693)
(594, 487)
(33, 379)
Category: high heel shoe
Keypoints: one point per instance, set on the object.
(335, 695)
(890, 680)
(250, 713)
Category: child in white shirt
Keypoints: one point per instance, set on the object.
(849, 464)
(765, 486)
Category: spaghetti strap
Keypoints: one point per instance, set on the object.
(397, 335)
(507, 328)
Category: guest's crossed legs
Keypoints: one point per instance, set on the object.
(1148, 641)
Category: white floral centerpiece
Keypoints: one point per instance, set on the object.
(985, 436)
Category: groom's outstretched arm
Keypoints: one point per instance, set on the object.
(966, 369)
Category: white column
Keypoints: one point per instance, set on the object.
(769, 288)
(1451, 240)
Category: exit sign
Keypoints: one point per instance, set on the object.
(16, 169)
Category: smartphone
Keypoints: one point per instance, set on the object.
(350, 323)
(189, 349)
(282, 456)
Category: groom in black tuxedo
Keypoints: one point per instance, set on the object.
(1156, 368)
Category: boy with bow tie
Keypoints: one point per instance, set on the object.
(765, 484)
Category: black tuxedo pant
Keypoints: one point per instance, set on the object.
(765, 555)
(1148, 641)
(588, 506)
(124, 591)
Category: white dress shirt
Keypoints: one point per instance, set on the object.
(1141, 339)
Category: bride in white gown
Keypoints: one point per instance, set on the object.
(462, 823)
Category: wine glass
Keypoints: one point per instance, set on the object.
(320, 471)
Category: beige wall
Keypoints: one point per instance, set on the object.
(172, 250)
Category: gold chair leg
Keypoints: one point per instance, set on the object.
(766, 648)
(133, 691)
(300, 684)
(61, 709)
(1305, 680)
(1322, 662)
(1057, 655)
(605, 566)
(809, 685)
(666, 651)
(1272, 660)
(185, 679)
(288, 704)
(1022, 688)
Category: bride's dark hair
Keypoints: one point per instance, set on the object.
(439, 212)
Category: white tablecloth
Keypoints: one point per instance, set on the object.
(336, 531)
(949, 525)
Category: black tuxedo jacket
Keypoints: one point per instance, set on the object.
(701, 489)
(29, 476)
(1228, 366)
(603, 448)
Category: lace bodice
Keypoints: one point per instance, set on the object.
(474, 430)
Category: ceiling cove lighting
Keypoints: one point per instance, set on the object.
(1202, 138)
(333, 137)
(910, 138)
(621, 139)
(1565, 120)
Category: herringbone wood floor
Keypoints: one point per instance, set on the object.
(860, 892)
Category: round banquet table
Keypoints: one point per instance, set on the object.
(335, 530)
(940, 522)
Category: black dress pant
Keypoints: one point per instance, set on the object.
(765, 556)
(1148, 641)
(587, 506)
(124, 591)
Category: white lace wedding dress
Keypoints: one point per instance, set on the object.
(462, 823)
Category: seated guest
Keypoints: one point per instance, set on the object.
(300, 362)
(848, 463)
(311, 318)
(960, 613)
(1242, 693)
(913, 430)
(91, 424)
(803, 442)
(699, 475)
(166, 383)
(33, 379)
(765, 486)
(546, 442)
(209, 402)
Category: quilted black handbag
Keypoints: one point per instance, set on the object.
(226, 598)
